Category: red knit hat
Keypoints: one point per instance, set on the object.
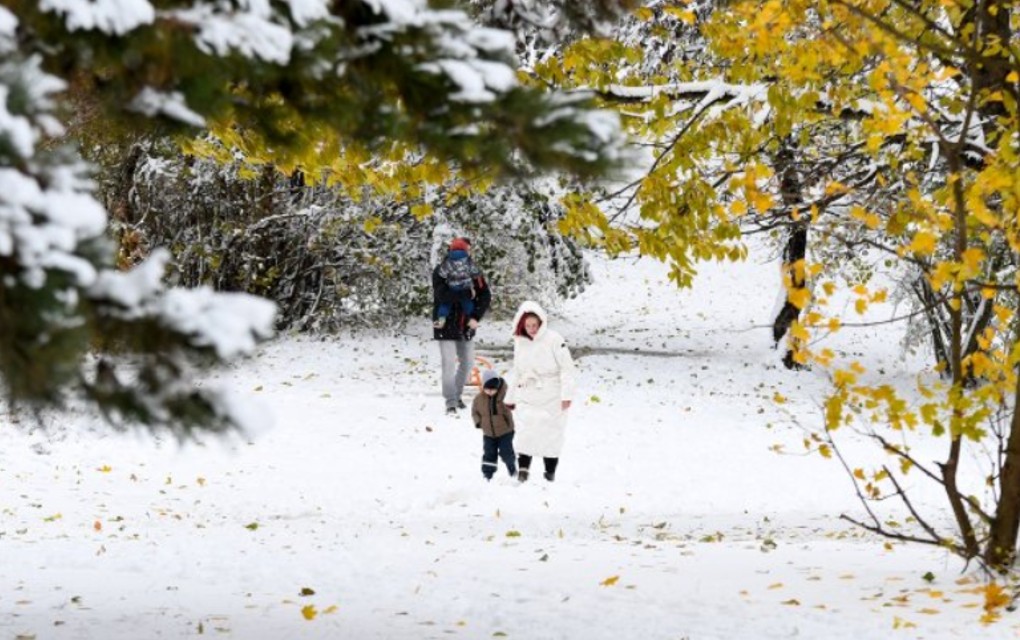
(460, 244)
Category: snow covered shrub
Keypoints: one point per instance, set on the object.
(328, 261)
(515, 241)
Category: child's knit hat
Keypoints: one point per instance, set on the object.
(490, 379)
(460, 244)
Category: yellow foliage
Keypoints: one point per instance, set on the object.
(799, 332)
(684, 15)
(844, 378)
(644, 13)
(421, 211)
(834, 412)
(923, 243)
(799, 297)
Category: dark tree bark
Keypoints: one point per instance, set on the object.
(795, 251)
(1000, 551)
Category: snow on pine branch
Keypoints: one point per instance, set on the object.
(8, 30)
(44, 215)
(230, 323)
(151, 103)
(115, 17)
(48, 214)
(256, 31)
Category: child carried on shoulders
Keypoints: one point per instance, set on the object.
(459, 272)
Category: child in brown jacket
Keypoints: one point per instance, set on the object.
(497, 425)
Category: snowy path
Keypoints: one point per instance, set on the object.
(671, 517)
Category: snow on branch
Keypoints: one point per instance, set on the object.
(230, 323)
(115, 17)
(173, 105)
(697, 89)
(8, 30)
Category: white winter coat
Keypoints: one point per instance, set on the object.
(541, 378)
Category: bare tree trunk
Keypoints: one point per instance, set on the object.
(1000, 551)
(795, 251)
(936, 324)
(951, 466)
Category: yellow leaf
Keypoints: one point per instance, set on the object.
(825, 450)
(798, 332)
(762, 201)
(105, 468)
(833, 412)
(778, 398)
(309, 612)
(610, 581)
(792, 602)
(923, 243)
(421, 211)
(798, 297)
(843, 378)
(995, 597)
(860, 305)
(644, 13)
(330, 609)
(776, 585)
(900, 623)
(684, 15)
(972, 259)
(859, 474)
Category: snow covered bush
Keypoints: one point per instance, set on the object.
(327, 260)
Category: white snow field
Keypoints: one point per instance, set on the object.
(361, 512)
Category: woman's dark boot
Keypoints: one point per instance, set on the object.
(550, 468)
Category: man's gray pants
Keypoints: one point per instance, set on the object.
(458, 357)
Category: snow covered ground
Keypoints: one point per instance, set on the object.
(361, 513)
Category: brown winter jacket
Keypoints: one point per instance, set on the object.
(490, 414)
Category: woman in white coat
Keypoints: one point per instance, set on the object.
(541, 390)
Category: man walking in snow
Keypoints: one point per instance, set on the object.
(455, 327)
